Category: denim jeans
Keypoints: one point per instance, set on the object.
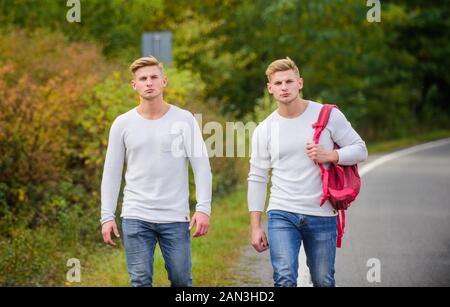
(286, 232)
(174, 239)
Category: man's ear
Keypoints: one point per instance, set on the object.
(133, 84)
(165, 81)
(269, 88)
(300, 83)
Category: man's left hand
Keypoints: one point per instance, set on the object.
(319, 154)
(201, 220)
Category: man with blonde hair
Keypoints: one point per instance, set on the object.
(156, 140)
(283, 143)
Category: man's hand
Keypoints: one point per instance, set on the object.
(201, 220)
(319, 154)
(107, 228)
(259, 240)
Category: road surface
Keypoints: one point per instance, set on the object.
(401, 223)
(398, 230)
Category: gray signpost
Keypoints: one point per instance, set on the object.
(158, 44)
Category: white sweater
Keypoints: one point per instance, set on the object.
(279, 143)
(156, 153)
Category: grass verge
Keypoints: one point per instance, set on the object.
(387, 146)
(212, 255)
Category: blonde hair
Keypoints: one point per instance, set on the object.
(146, 61)
(282, 65)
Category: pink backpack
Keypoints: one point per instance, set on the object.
(341, 184)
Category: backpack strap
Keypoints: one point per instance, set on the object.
(322, 121)
(340, 227)
(319, 126)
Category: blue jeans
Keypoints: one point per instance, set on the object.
(286, 232)
(140, 239)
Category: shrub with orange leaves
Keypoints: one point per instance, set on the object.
(42, 80)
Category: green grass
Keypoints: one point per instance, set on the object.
(387, 146)
(213, 255)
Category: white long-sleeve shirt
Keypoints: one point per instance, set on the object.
(279, 143)
(156, 153)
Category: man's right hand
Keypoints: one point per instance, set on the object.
(107, 228)
(259, 240)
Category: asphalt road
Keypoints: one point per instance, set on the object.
(398, 231)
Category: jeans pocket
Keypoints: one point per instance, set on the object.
(280, 219)
(130, 227)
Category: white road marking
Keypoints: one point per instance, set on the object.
(401, 153)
